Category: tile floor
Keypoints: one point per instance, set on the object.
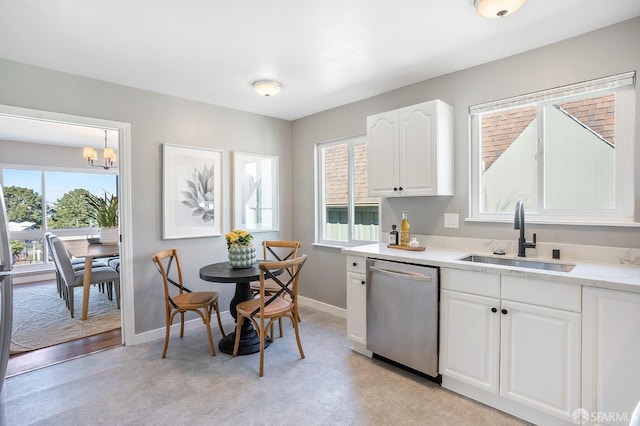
(331, 386)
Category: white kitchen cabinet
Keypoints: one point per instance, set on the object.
(357, 304)
(519, 356)
(540, 358)
(610, 356)
(470, 339)
(410, 151)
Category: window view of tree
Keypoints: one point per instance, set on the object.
(60, 196)
(70, 211)
(24, 206)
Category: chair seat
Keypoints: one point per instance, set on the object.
(275, 308)
(270, 286)
(98, 275)
(195, 299)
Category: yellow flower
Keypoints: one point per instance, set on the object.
(238, 236)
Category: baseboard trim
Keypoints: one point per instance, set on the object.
(158, 333)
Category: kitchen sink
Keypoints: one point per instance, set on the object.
(519, 263)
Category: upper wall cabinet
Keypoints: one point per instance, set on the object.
(410, 151)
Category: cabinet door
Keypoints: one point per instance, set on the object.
(417, 150)
(540, 358)
(611, 355)
(356, 308)
(382, 154)
(470, 339)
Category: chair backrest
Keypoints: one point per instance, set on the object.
(288, 283)
(165, 262)
(47, 238)
(280, 250)
(62, 260)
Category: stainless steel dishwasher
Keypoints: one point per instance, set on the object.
(402, 314)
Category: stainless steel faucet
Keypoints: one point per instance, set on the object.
(518, 223)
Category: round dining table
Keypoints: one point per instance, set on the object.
(222, 272)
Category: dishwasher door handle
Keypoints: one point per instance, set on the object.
(401, 274)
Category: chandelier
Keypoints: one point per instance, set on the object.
(108, 154)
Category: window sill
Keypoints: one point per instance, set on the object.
(564, 222)
(337, 246)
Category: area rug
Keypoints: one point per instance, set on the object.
(41, 318)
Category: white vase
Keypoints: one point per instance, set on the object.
(242, 256)
(109, 235)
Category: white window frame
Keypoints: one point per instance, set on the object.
(39, 233)
(320, 218)
(623, 212)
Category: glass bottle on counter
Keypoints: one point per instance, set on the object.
(405, 230)
(393, 236)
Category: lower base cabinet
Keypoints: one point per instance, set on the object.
(518, 357)
(610, 356)
(357, 304)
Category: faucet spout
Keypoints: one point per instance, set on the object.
(518, 223)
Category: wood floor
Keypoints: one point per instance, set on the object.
(32, 360)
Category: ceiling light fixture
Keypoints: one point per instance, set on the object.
(267, 87)
(92, 155)
(498, 8)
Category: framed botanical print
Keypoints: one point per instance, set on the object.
(192, 192)
(255, 192)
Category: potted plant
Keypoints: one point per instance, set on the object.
(105, 212)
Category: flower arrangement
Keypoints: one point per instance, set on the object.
(238, 237)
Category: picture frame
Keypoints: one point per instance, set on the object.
(192, 192)
(255, 192)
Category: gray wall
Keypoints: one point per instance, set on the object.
(601, 53)
(156, 119)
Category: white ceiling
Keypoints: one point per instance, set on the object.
(326, 53)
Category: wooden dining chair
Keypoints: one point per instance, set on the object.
(184, 300)
(277, 250)
(265, 309)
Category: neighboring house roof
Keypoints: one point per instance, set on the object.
(501, 128)
(22, 226)
(336, 179)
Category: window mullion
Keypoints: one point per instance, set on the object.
(350, 194)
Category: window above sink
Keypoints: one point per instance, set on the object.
(566, 152)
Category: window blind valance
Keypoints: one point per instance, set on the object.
(611, 82)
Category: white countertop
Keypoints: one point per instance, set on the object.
(604, 275)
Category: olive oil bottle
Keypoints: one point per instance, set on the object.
(405, 228)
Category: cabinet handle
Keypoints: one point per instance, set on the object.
(494, 310)
(504, 312)
(395, 189)
(355, 263)
(363, 282)
(400, 188)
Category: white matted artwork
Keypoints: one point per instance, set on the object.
(255, 192)
(192, 191)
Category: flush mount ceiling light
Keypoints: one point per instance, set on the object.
(498, 8)
(267, 87)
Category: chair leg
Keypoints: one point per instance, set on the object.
(261, 334)
(236, 343)
(216, 307)
(295, 327)
(207, 324)
(181, 324)
(166, 335)
(70, 299)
